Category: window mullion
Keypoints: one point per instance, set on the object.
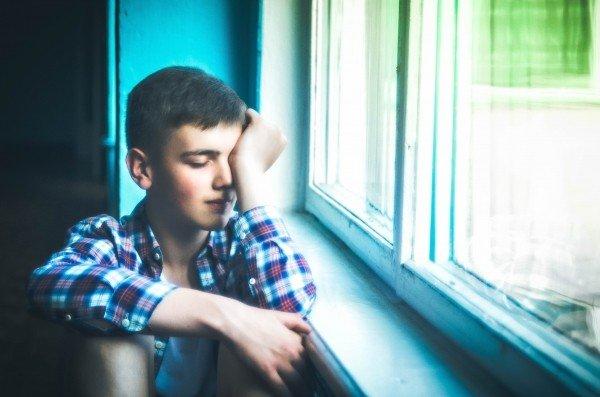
(424, 126)
(463, 142)
(375, 141)
(407, 77)
(443, 130)
(333, 89)
(319, 48)
(595, 61)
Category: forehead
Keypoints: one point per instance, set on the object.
(221, 138)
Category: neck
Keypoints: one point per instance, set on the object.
(179, 242)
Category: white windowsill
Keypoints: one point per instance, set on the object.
(382, 343)
(390, 349)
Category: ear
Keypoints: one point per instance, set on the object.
(139, 168)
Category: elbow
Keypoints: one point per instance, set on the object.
(37, 306)
(42, 299)
(302, 300)
(32, 289)
(38, 285)
(311, 297)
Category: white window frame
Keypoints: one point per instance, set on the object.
(442, 292)
(370, 245)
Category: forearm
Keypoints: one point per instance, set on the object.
(274, 273)
(189, 312)
(250, 185)
(258, 147)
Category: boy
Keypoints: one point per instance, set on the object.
(172, 267)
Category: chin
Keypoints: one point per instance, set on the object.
(215, 221)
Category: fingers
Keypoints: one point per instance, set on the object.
(278, 385)
(294, 381)
(252, 116)
(294, 322)
(304, 386)
(290, 377)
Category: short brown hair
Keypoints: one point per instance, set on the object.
(175, 96)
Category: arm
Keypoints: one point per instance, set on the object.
(89, 283)
(86, 284)
(257, 149)
(273, 273)
(276, 271)
(268, 342)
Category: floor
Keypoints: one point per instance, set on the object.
(42, 196)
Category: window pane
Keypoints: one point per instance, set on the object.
(355, 144)
(527, 189)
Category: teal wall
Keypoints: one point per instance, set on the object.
(219, 36)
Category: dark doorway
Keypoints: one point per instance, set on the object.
(52, 164)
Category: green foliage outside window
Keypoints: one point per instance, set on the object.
(533, 43)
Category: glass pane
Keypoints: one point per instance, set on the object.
(357, 145)
(527, 189)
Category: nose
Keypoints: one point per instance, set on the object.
(223, 178)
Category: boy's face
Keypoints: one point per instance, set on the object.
(193, 171)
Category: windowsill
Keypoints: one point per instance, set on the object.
(386, 347)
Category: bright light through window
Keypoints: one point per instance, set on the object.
(355, 107)
(527, 184)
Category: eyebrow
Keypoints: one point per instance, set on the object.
(200, 152)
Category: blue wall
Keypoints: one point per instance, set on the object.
(219, 36)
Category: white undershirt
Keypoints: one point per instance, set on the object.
(188, 368)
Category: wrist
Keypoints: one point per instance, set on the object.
(250, 184)
(226, 319)
(245, 165)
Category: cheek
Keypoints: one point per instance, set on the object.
(190, 185)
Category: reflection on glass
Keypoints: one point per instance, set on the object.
(527, 188)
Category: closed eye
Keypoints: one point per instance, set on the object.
(199, 165)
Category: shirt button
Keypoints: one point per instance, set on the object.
(125, 323)
(159, 344)
(68, 317)
(252, 281)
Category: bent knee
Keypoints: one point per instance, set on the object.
(110, 365)
(236, 379)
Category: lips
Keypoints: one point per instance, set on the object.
(220, 201)
(218, 205)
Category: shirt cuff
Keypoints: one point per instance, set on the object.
(133, 301)
(259, 224)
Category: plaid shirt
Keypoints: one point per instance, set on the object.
(106, 280)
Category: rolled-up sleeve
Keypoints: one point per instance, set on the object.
(86, 286)
(277, 273)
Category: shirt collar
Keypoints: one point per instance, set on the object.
(148, 246)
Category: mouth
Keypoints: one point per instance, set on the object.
(219, 205)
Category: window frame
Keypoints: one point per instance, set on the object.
(443, 293)
(366, 242)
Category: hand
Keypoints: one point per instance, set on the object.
(259, 145)
(270, 343)
(257, 148)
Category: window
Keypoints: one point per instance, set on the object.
(355, 107)
(526, 194)
(493, 171)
